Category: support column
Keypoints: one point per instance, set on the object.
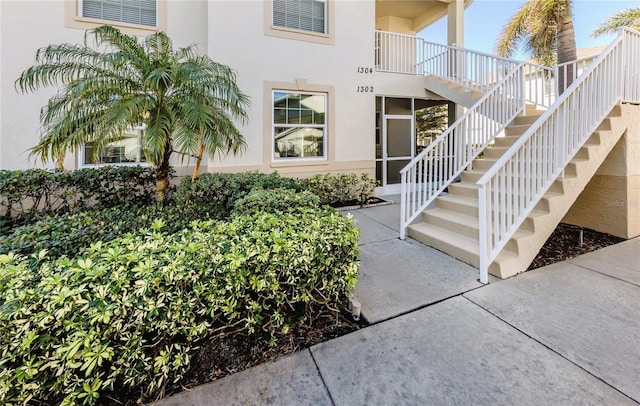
(455, 23)
(455, 36)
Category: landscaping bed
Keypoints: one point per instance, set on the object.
(218, 358)
(565, 243)
(103, 304)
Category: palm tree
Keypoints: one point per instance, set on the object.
(546, 28)
(185, 100)
(625, 18)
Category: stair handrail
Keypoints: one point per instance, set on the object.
(403, 53)
(481, 71)
(510, 189)
(431, 171)
(398, 53)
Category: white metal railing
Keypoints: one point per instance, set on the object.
(398, 53)
(431, 171)
(566, 73)
(471, 69)
(502, 82)
(509, 191)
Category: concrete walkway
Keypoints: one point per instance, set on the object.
(565, 334)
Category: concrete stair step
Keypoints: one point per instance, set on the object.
(454, 244)
(463, 205)
(473, 175)
(527, 120)
(495, 152)
(516, 130)
(484, 163)
(506, 141)
(452, 221)
(464, 189)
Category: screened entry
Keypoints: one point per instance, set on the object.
(404, 127)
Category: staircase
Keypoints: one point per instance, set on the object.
(521, 157)
(453, 225)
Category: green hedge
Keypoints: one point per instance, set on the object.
(26, 194)
(335, 189)
(214, 194)
(129, 312)
(67, 234)
(275, 201)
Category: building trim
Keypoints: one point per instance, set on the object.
(73, 19)
(299, 85)
(328, 38)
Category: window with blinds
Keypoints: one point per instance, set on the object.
(141, 12)
(306, 15)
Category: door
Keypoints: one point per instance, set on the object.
(395, 144)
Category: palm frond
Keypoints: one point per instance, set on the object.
(114, 81)
(535, 28)
(516, 29)
(625, 18)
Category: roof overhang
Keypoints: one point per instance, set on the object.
(418, 13)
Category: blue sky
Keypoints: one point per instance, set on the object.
(485, 18)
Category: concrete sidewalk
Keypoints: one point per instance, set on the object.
(568, 333)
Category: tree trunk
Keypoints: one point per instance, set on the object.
(162, 174)
(60, 161)
(566, 52)
(198, 161)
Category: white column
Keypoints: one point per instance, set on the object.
(455, 23)
(455, 36)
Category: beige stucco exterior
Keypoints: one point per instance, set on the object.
(610, 202)
(266, 58)
(26, 26)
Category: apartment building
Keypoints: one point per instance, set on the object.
(319, 102)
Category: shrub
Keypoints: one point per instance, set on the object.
(336, 189)
(129, 312)
(275, 201)
(215, 194)
(26, 194)
(68, 234)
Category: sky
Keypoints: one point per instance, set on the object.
(484, 19)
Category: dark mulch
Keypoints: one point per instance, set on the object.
(565, 244)
(355, 203)
(217, 358)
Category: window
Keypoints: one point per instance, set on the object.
(140, 12)
(125, 150)
(305, 15)
(299, 125)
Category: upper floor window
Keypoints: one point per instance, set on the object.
(139, 12)
(304, 15)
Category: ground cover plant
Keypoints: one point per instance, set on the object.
(112, 305)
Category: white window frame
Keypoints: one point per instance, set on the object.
(81, 155)
(80, 13)
(325, 136)
(73, 19)
(325, 27)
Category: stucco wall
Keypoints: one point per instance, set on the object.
(262, 61)
(235, 33)
(26, 26)
(610, 202)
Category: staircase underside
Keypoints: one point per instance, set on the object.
(452, 226)
(452, 91)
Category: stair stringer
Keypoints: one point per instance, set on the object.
(452, 91)
(554, 205)
(458, 94)
(461, 240)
